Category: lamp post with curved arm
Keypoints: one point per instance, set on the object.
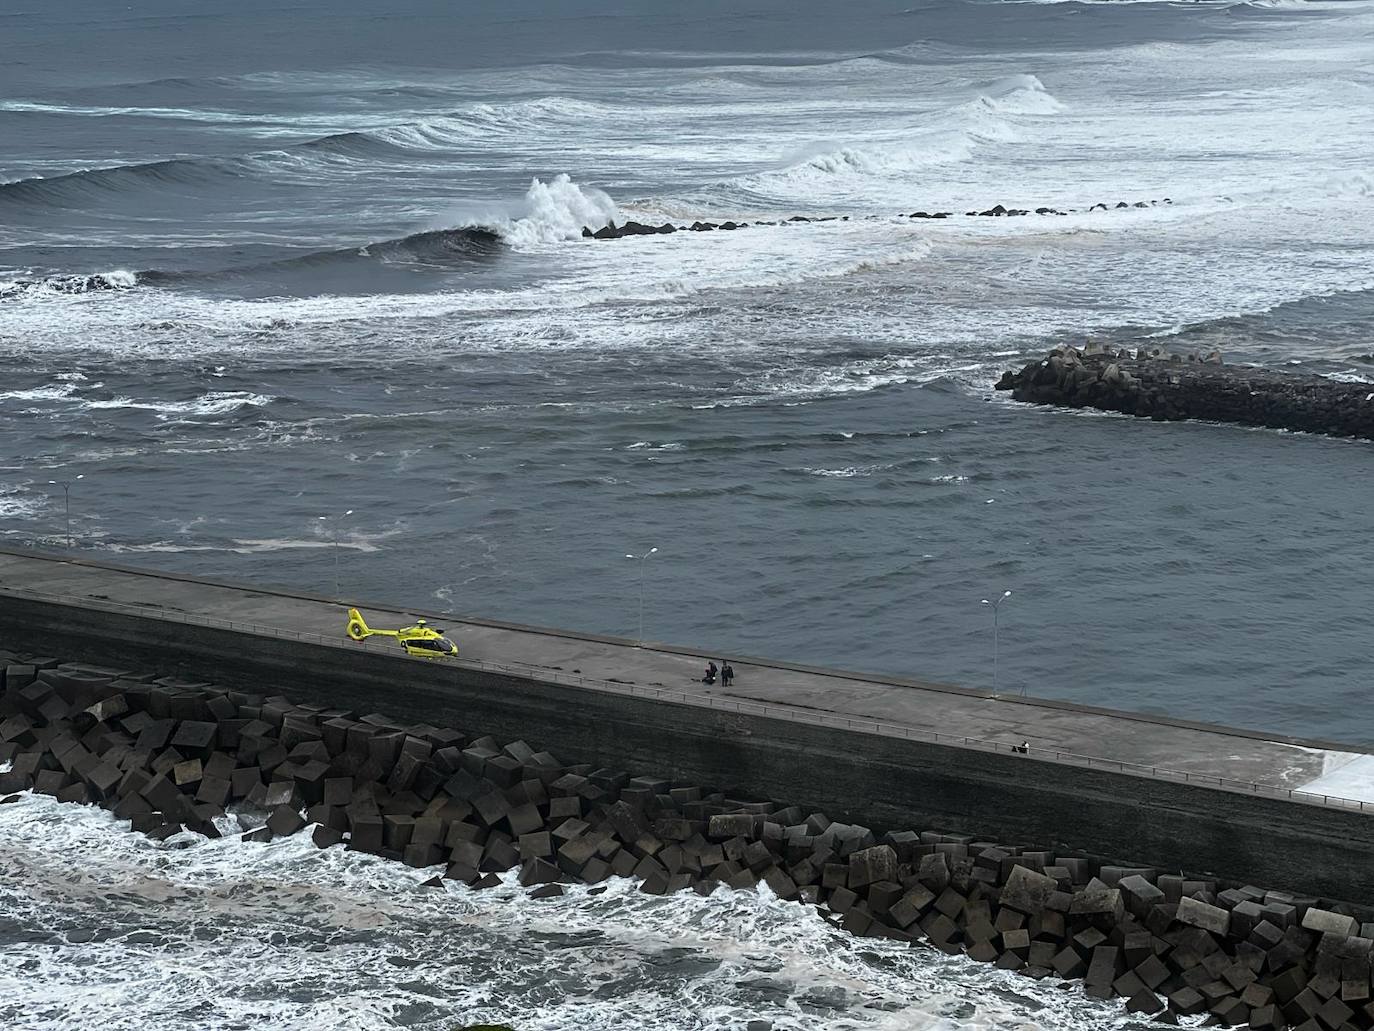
(333, 522)
(641, 559)
(66, 486)
(995, 604)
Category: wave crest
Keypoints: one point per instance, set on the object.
(948, 137)
(554, 211)
(69, 284)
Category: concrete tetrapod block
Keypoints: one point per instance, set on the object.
(499, 855)
(104, 779)
(877, 863)
(367, 833)
(50, 782)
(219, 765)
(194, 738)
(78, 792)
(326, 837)
(724, 826)
(1144, 1001)
(187, 773)
(1207, 917)
(284, 821)
(1101, 906)
(399, 829)
(1027, 891)
(429, 830)
(282, 792)
(1325, 921)
(421, 856)
(1140, 894)
(536, 845)
(462, 831)
(524, 819)
(538, 871)
(1105, 966)
(467, 854)
(491, 807)
(911, 906)
(1069, 963)
(130, 806)
(213, 790)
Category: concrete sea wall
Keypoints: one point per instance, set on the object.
(173, 755)
(879, 781)
(1161, 386)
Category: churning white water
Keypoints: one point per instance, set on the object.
(101, 927)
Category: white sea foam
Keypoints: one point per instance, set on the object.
(240, 546)
(479, 122)
(558, 210)
(60, 285)
(190, 933)
(19, 503)
(216, 402)
(48, 392)
(935, 138)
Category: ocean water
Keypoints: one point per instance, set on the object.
(263, 263)
(99, 926)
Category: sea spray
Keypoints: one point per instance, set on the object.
(558, 210)
(103, 925)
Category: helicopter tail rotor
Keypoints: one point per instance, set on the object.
(357, 626)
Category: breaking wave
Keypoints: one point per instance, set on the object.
(949, 137)
(283, 936)
(68, 284)
(461, 129)
(557, 210)
(549, 213)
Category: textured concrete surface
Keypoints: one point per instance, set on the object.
(856, 775)
(1049, 727)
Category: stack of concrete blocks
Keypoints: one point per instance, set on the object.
(170, 756)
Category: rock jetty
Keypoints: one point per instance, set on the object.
(172, 756)
(612, 231)
(1157, 385)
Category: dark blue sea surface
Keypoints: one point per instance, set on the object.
(261, 264)
(275, 276)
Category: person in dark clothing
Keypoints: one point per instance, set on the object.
(710, 677)
(727, 673)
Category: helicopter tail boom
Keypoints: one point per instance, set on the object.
(358, 629)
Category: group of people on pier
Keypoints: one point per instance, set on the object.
(724, 670)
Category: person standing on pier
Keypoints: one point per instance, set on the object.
(727, 673)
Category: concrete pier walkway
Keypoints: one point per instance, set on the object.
(1148, 746)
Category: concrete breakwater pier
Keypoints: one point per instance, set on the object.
(1156, 385)
(482, 769)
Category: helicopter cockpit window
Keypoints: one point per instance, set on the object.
(443, 644)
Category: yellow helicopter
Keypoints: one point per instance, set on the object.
(420, 640)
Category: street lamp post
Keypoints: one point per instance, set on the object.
(996, 604)
(333, 522)
(66, 486)
(639, 641)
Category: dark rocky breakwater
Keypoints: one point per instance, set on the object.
(172, 756)
(618, 232)
(1162, 386)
